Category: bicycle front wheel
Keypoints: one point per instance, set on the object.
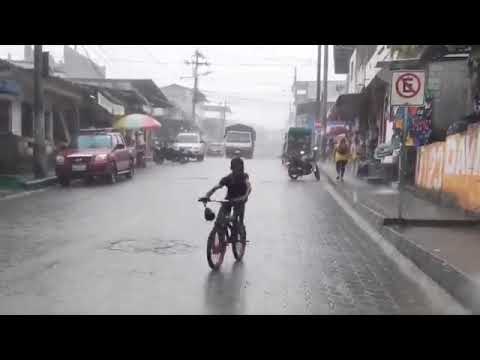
(239, 244)
(216, 248)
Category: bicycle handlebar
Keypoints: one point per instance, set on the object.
(204, 200)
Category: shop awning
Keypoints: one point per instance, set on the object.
(350, 106)
(403, 64)
(352, 100)
(110, 103)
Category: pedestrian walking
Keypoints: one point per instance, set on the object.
(341, 158)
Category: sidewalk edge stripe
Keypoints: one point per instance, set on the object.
(22, 194)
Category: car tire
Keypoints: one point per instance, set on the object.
(64, 181)
(88, 180)
(131, 173)
(111, 177)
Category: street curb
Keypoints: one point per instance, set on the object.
(40, 183)
(458, 284)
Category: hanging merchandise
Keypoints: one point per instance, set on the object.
(422, 122)
(398, 114)
(476, 104)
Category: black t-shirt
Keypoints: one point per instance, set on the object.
(236, 185)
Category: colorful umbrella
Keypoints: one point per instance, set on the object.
(337, 130)
(137, 121)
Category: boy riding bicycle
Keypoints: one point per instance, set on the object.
(238, 190)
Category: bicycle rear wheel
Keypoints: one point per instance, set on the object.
(239, 244)
(216, 248)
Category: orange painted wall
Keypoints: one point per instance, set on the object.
(453, 167)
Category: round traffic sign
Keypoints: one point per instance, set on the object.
(408, 85)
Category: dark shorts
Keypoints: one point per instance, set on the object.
(226, 209)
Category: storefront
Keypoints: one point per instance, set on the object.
(61, 115)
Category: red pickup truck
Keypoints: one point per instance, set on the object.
(99, 154)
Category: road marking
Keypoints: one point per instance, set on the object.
(22, 194)
(435, 294)
(376, 213)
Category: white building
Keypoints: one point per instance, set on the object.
(182, 98)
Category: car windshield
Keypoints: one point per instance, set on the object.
(238, 137)
(94, 141)
(187, 138)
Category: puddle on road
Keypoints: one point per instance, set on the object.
(156, 246)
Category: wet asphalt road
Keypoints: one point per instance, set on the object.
(138, 247)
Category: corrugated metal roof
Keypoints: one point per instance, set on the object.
(145, 87)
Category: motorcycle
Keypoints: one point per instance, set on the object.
(165, 152)
(302, 165)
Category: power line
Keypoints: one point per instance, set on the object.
(246, 98)
(155, 61)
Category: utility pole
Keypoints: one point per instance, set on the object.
(295, 97)
(224, 117)
(325, 89)
(197, 55)
(318, 103)
(319, 70)
(39, 151)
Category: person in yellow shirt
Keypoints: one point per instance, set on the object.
(342, 152)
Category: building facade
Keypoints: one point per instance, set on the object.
(214, 121)
(304, 106)
(62, 102)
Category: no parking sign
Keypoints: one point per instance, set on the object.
(408, 88)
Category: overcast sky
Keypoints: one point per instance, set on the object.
(254, 79)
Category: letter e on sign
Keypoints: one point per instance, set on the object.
(408, 88)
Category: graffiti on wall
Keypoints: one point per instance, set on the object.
(453, 166)
(430, 163)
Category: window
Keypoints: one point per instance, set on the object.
(94, 142)
(188, 138)
(120, 140)
(5, 111)
(117, 139)
(238, 137)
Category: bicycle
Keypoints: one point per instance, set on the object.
(225, 231)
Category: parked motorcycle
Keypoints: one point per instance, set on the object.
(302, 165)
(165, 152)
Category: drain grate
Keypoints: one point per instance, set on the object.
(157, 246)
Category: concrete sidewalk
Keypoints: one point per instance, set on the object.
(449, 255)
(13, 184)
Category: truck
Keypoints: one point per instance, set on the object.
(240, 140)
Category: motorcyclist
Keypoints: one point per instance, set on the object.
(238, 189)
